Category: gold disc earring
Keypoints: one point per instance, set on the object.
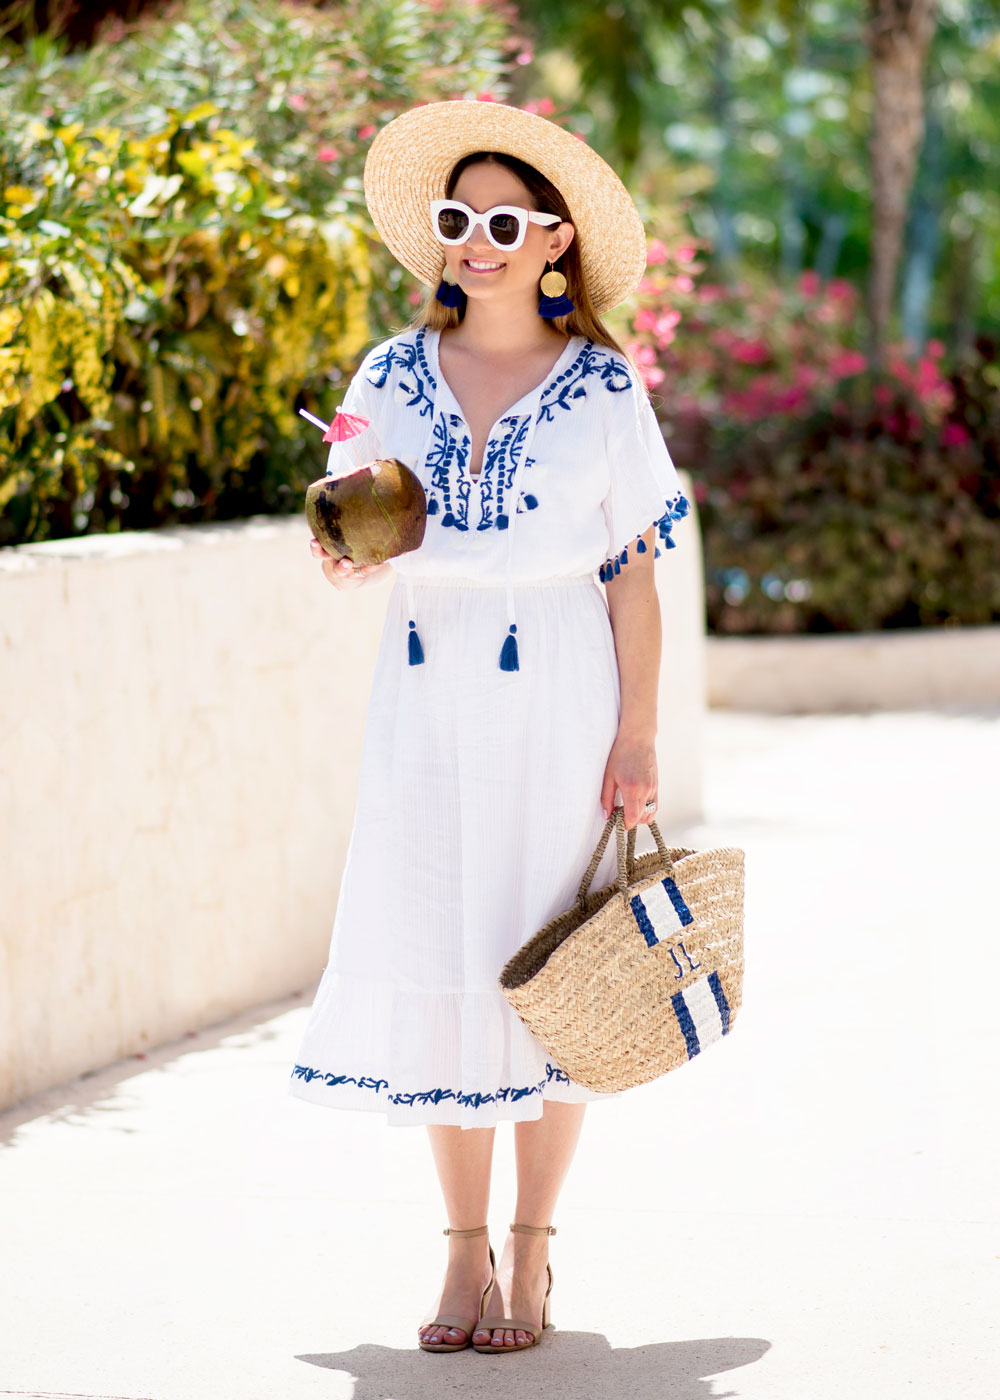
(553, 283)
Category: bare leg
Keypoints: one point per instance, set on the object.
(544, 1150)
(464, 1159)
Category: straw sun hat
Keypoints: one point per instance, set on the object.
(410, 160)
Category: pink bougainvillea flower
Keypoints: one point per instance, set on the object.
(297, 100)
(684, 283)
(751, 352)
(927, 375)
(790, 400)
(524, 57)
(935, 348)
(839, 289)
(809, 283)
(327, 154)
(847, 362)
(656, 252)
(365, 131)
(955, 435)
(414, 298)
(685, 253)
(486, 97)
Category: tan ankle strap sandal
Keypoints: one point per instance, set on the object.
(515, 1324)
(465, 1324)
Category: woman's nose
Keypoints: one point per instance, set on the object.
(479, 246)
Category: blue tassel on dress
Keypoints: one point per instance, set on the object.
(508, 657)
(416, 650)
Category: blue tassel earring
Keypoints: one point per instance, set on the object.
(554, 301)
(449, 293)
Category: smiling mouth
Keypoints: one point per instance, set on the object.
(476, 265)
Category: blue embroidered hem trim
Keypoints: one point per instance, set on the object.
(677, 509)
(433, 1096)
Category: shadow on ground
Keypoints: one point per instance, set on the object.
(571, 1364)
(95, 1094)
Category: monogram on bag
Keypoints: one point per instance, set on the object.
(639, 977)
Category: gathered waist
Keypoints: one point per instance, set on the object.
(458, 581)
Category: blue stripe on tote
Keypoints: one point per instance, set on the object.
(686, 1024)
(642, 919)
(683, 912)
(720, 998)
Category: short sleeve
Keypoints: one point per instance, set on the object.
(645, 489)
(362, 399)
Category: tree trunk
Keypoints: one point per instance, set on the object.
(898, 35)
(720, 104)
(924, 235)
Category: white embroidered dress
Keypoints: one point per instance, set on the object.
(479, 798)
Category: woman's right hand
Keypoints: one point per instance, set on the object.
(341, 572)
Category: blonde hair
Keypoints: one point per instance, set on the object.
(583, 319)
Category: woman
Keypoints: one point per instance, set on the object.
(513, 696)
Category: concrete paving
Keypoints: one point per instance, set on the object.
(808, 1210)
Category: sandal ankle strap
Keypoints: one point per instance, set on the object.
(534, 1229)
(464, 1234)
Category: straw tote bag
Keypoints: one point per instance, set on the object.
(636, 978)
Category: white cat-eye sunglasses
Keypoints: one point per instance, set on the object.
(505, 225)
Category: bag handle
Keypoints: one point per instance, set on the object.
(626, 861)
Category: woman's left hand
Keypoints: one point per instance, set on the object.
(631, 769)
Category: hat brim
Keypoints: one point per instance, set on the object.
(410, 160)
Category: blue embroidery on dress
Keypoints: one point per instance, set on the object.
(332, 1080)
(677, 509)
(449, 447)
(448, 493)
(413, 383)
(433, 1096)
(568, 388)
(498, 471)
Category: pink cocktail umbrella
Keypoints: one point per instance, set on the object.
(343, 427)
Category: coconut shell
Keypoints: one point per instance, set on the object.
(370, 516)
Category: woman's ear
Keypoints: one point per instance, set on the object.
(559, 240)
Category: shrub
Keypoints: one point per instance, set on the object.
(184, 255)
(832, 496)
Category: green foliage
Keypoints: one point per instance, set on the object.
(831, 497)
(855, 517)
(759, 114)
(184, 255)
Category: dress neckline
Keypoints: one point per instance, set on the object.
(434, 336)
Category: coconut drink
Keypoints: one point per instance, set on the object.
(370, 511)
